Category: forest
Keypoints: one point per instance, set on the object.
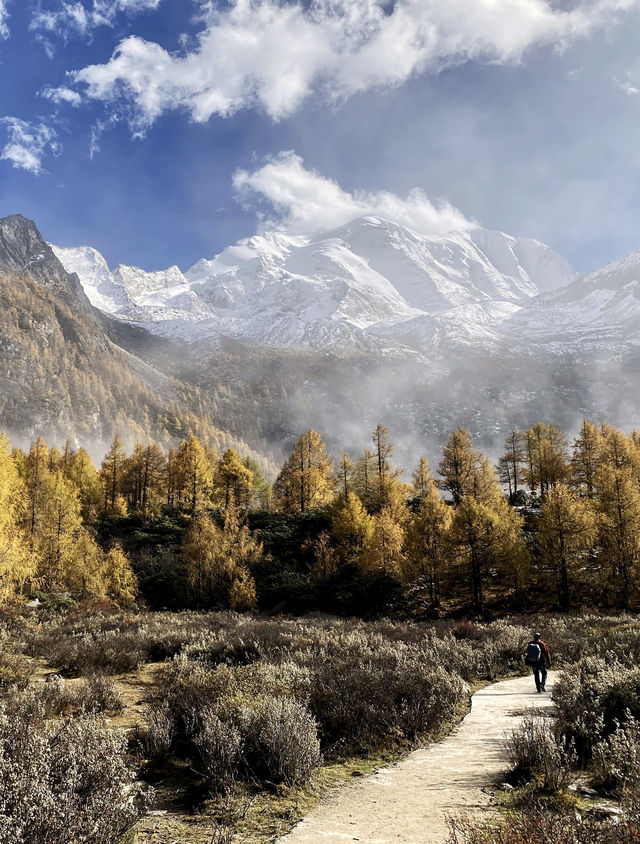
(553, 525)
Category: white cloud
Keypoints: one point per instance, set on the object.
(62, 95)
(4, 17)
(302, 201)
(627, 85)
(28, 143)
(72, 16)
(273, 54)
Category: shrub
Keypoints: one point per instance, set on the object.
(542, 826)
(535, 753)
(616, 759)
(280, 740)
(219, 746)
(15, 671)
(593, 698)
(67, 781)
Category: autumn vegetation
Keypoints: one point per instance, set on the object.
(243, 704)
(553, 524)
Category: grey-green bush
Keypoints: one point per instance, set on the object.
(67, 781)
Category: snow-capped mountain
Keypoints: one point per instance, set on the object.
(367, 283)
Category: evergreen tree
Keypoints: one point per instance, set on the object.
(261, 488)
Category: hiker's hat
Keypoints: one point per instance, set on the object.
(537, 635)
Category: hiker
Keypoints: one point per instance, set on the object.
(538, 657)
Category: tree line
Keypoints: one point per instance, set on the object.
(559, 518)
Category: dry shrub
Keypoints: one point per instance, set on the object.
(616, 759)
(542, 826)
(219, 746)
(466, 629)
(593, 698)
(535, 753)
(281, 742)
(63, 781)
(15, 671)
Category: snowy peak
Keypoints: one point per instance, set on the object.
(369, 278)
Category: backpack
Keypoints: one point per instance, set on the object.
(533, 654)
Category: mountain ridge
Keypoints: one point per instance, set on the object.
(347, 287)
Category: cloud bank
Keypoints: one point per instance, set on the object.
(273, 54)
(28, 143)
(301, 201)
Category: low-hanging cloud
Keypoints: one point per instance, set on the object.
(302, 201)
(273, 54)
(28, 143)
(73, 17)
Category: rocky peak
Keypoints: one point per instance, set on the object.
(24, 251)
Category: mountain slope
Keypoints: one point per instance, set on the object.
(61, 373)
(366, 284)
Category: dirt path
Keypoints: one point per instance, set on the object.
(408, 802)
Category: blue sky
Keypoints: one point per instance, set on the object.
(161, 131)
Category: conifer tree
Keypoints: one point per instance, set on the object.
(325, 558)
(427, 540)
(17, 564)
(566, 534)
(485, 532)
(58, 532)
(422, 479)
(386, 549)
(306, 480)
(547, 457)
(120, 583)
(352, 529)
(458, 465)
(261, 488)
(585, 459)
(194, 470)
(111, 474)
(512, 462)
(233, 481)
(85, 478)
(619, 516)
(365, 479)
(214, 557)
(37, 467)
(346, 471)
(242, 592)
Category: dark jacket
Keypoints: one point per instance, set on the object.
(546, 655)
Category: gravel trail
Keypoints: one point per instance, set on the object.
(410, 800)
